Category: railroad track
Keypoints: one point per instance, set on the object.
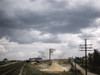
(9, 70)
(8, 67)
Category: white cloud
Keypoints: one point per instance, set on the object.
(69, 46)
(69, 37)
(25, 51)
(2, 49)
(29, 36)
(92, 33)
(97, 22)
(39, 35)
(33, 39)
(57, 53)
(21, 54)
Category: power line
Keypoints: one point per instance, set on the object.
(86, 47)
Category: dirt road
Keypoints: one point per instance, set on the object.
(82, 70)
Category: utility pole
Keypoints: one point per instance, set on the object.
(75, 66)
(85, 47)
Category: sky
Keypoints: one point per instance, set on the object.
(29, 27)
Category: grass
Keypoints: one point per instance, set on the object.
(32, 70)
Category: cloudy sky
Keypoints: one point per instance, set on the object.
(30, 26)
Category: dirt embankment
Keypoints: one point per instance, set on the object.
(55, 67)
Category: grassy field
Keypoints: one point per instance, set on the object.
(29, 69)
(32, 70)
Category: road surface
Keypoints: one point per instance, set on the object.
(82, 70)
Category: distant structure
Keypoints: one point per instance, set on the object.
(35, 59)
(50, 52)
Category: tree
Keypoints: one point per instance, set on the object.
(90, 57)
(5, 59)
(96, 58)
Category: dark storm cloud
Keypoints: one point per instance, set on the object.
(63, 21)
(58, 19)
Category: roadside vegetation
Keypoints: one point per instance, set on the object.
(33, 70)
(30, 69)
(93, 62)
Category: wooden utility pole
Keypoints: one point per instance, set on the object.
(86, 48)
(75, 66)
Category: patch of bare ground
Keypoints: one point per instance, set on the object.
(55, 67)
